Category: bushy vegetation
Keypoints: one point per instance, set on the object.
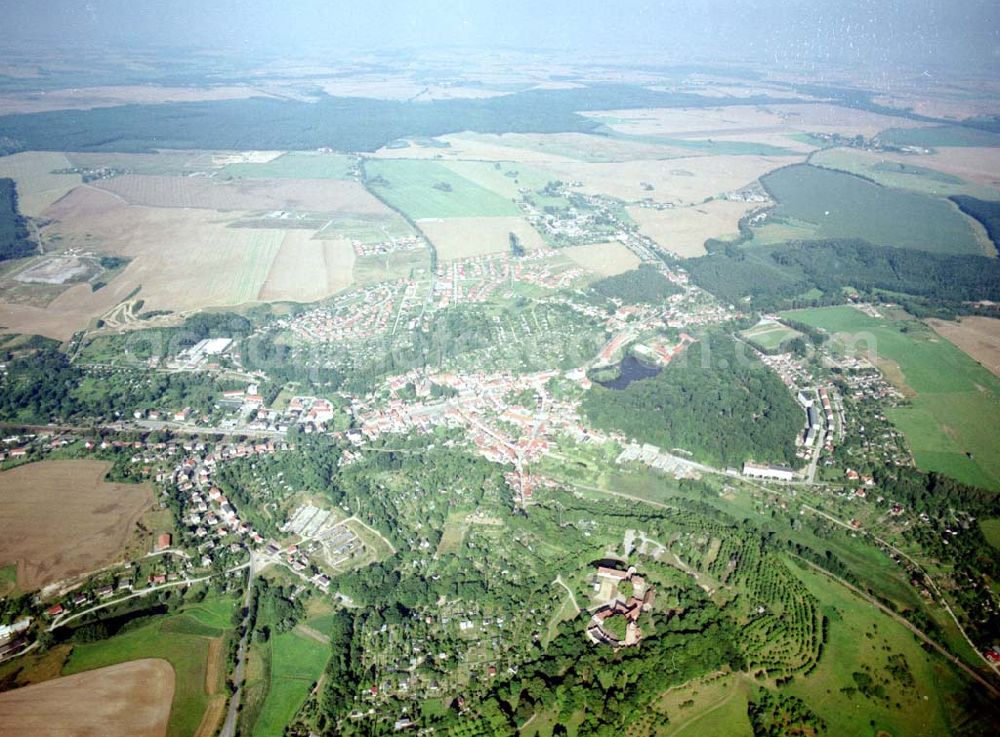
(646, 284)
(725, 410)
(14, 241)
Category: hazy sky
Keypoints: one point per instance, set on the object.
(931, 32)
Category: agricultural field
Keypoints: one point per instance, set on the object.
(191, 646)
(603, 259)
(901, 171)
(950, 420)
(761, 123)
(941, 136)
(684, 230)
(128, 700)
(305, 269)
(554, 147)
(87, 98)
(60, 519)
(831, 204)
(37, 186)
(294, 165)
(769, 335)
(297, 195)
(392, 266)
(680, 181)
(369, 229)
(427, 189)
(977, 336)
(509, 180)
(457, 238)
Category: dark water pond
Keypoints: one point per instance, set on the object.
(630, 369)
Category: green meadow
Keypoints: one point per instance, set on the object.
(828, 204)
(429, 189)
(297, 662)
(944, 135)
(183, 640)
(952, 418)
(874, 677)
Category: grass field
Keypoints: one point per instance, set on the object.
(187, 653)
(991, 531)
(770, 335)
(977, 336)
(372, 229)
(862, 639)
(837, 205)
(900, 171)
(127, 700)
(37, 186)
(428, 189)
(951, 423)
(715, 706)
(305, 269)
(297, 662)
(294, 165)
(60, 518)
(392, 266)
(945, 135)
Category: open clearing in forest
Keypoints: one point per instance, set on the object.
(456, 238)
(950, 423)
(832, 204)
(603, 259)
(127, 700)
(684, 230)
(60, 518)
(977, 336)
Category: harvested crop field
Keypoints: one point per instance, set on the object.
(309, 195)
(751, 119)
(85, 98)
(684, 230)
(684, 181)
(977, 336)
(37, 186)
(60, 519)
(603, 259)
(127, 700)
(306, 269)
(528, 147)
(457, 238)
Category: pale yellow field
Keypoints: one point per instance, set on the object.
(85, 98)
(603, 259)
(306, 270)
(680, 181)
(182, 260)
(757, 119)
(126, 700)
(37, 186)
(303, 195)
(684, 230)
(456, 238)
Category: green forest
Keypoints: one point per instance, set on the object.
(780, 276)
(643, 285)
(342, 123)
(14, 241)
(716, 401)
